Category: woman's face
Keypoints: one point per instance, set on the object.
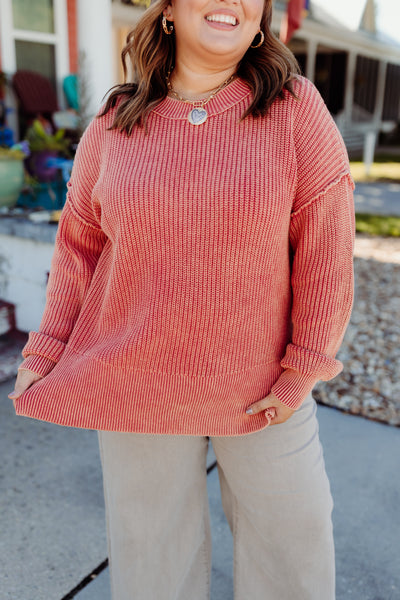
(214, 30)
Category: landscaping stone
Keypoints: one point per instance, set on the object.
(370, 384)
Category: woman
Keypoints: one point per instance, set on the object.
(201, 285)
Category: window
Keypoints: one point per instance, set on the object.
(366, 81)
(34, 36)
(32, 52)
(33, 56)
(37, 15)
(391, 108)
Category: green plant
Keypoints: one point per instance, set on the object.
(145, 3)
(40, 140)
(385, 169)
(16, 152)
(378, 225)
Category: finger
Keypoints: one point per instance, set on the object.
(270, 414)
(256, 408)
(282, 415)
(261, 405)
(24, 380)
(17, 392)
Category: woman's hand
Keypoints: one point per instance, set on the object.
(275, 412)
(24, 380)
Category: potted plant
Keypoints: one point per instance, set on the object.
(12, 172)
(45, 145)
(45, 187)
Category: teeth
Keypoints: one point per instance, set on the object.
(222, 19)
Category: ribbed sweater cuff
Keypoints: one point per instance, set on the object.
(43, 345)
(40, 365)
(303, 368)
(309, 363)
(292, 388)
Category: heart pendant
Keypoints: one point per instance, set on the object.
(198, 116)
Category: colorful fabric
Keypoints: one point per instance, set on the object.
(292, 19)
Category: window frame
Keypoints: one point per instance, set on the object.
(59, 39)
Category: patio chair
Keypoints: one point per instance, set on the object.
(37, 98)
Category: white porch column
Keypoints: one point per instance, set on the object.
(372, 136)
(311, 58)
(380, 92)
(350, 83)
(8, 61)
(95, 44)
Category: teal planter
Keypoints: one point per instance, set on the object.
(48, 196)
(11, 180)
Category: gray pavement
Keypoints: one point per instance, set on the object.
(52, 515)
(378, 198)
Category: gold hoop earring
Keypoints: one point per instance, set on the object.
(262, 38)
(167, 29)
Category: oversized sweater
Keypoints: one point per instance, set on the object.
(197, 269)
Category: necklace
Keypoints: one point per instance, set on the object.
(198, 114)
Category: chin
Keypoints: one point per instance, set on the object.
(222, 48)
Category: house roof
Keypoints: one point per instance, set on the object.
(355, 28)
(338, 12)
(352, 15)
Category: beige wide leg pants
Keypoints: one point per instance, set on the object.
(275, 495)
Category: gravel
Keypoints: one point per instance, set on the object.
(370, 383)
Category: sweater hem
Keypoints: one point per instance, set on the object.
(80, 392)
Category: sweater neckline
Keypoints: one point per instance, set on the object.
(233, 93)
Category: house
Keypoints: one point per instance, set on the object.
(51, 37)
(59, 37)
(355, 66)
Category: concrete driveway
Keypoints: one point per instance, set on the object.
(378, 198)
(52, 514)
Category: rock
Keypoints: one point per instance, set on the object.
(370, 382)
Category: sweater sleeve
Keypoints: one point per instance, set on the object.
(79, 243)
(322, 240)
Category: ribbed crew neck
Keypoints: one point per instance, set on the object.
(233, 93)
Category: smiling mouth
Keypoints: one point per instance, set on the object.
(225, 19)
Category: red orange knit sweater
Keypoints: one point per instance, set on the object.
(196, 269)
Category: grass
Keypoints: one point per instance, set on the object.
(378, 225)
(386, 168)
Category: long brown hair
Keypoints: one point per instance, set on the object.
(268, 70)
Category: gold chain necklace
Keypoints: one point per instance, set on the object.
(198, 115)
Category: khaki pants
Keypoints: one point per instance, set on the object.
(275, 495)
